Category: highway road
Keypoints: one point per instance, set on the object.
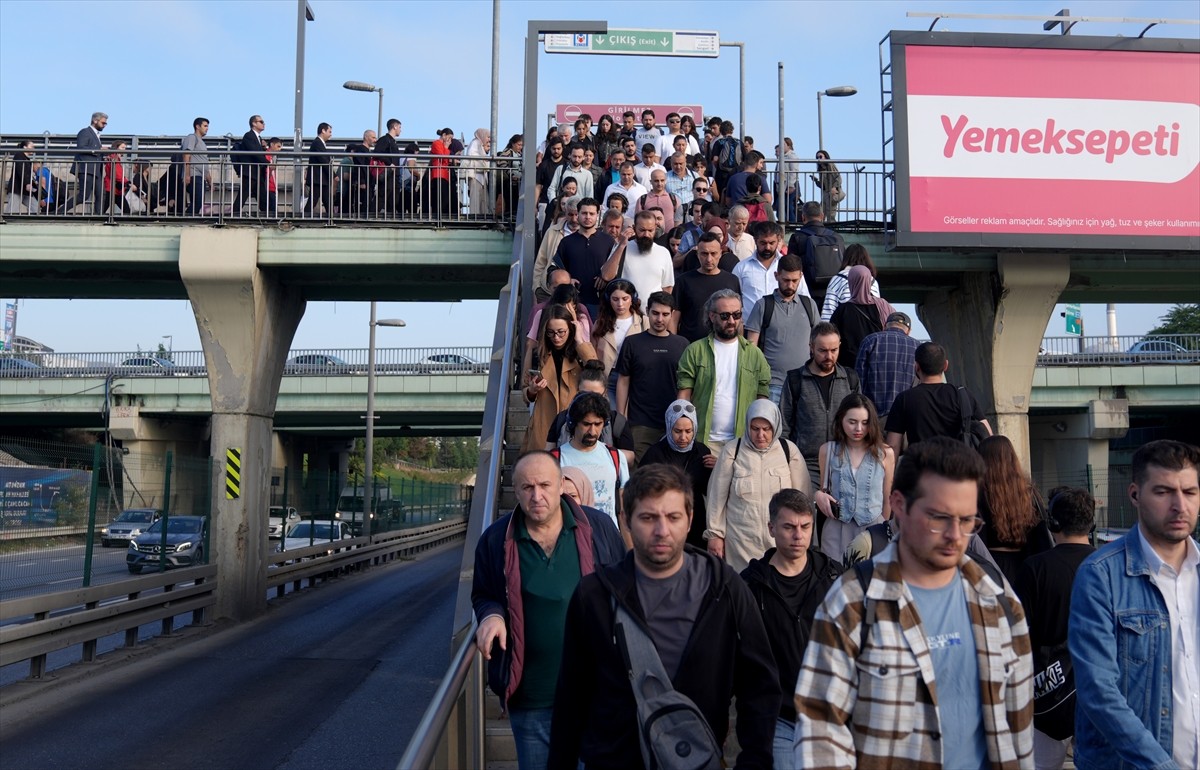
(57, 569)
(337, 676)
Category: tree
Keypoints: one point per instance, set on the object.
(1181, 319)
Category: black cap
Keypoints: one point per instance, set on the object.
(900, 318)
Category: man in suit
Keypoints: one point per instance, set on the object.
(88, 167)
(250, 162)
(317, 179)
(388, 150)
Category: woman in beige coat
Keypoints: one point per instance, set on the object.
(749, 472)
(560, 358)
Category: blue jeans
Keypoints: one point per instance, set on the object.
(775, 393)
(531, 732)
(785, 732)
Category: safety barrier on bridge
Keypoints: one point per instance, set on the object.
(1120, 350)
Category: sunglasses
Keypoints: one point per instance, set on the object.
(685, 408)
(700, 189)
(735, 315)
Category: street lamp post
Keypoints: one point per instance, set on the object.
(369, 449)
(304, 13)
(835, 91)
(358, 85)
(170, 338)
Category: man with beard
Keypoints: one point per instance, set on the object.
(722, 373)
(696, 286)
(702, 626)
(555, 157)
(812, 393)
(583, 253)
(757, 274)
(646, 265)
(780, 323)
(646, 373)
(1133, 628)
(605, 466)
(362, 183)
(87, 166)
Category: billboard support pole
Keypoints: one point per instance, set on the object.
(780, 202)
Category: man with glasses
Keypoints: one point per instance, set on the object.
(722, 373)
(920, 656)
(250, 163)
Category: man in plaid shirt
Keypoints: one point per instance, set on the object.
(941, 675)
(885, 362)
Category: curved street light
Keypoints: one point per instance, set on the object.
(835, 91)
(358, 85)
(369, 449)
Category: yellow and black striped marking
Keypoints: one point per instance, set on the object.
(233, 473)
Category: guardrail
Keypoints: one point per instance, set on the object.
(1121, 350)
(84, 616)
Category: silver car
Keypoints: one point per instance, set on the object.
(131, 523)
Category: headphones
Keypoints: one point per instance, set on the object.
(571, 424)
(621, 284)
(1051, 522)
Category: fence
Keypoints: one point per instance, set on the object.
(68, 513)
(1108, 485)
(1120, 350)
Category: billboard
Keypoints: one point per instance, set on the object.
(1046, 141)
(570, 112)
(35, 497)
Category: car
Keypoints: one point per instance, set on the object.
(1147, 351)
(185, 544)
(150, 365)
(129, 524)
(311, 532)
(450, 362)
(279, 521)
(17, 367)
(310, 363)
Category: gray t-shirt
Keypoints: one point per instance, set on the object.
(951, 640)
(786, 343)
(671, 605)
(197, 150)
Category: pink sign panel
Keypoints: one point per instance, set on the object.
(569, 113)
(1057, 142)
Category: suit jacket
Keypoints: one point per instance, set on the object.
(387, 146)
(251, 144)
(320, 156)
(87, 157)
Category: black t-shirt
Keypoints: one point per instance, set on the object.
(583, 257)
(650, 361)
(616, 434)
(545, 175)
(691, 261)
(1044, 587)
(825, 385)
(794, 589)
(692, 291)
(929, 409)
(855, 322)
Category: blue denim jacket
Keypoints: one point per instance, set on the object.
(1120, 642)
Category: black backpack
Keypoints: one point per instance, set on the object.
(973, 432)
(728, 154)
(822, 258)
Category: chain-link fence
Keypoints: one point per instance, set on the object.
(74, 515)
(1108, 485)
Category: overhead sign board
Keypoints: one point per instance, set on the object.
(569, 113)
(1046, 142)
(638, 42)
(1074, 316)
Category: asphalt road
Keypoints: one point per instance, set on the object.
(334, 677)
(57, 569)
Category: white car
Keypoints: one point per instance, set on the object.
(311, 532)
(279, 521)
(127, 526)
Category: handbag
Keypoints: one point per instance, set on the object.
(1054, 691)
(135, 203)
(835, 505)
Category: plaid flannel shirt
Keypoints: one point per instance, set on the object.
(878, 707)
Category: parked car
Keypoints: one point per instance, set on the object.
(128, 525)
(185, 544)
(17, 367)
(315, 363)
(279, 521)
(311, 532)
(450, 362)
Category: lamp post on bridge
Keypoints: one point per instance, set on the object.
(358, 85)
(369, 449)
(835, 91)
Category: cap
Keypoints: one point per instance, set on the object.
(900, 318)
(445, 131)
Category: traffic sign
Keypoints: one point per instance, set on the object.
(638, 42)
(1074, 316)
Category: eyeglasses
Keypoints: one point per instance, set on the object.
(557, 333)
(735, 315)
(940, 523)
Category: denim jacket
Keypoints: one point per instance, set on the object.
(1120, 642)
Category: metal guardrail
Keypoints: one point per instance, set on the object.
(84, 616)
(1121, 350)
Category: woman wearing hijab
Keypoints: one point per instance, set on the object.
(864, 314)
(577, 486)
(748, 473)
(680, 448)
(476, 171)
(829, 179)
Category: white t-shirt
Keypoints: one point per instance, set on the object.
(598, 465)
(666, 146)
(642, 172)
(724, 412)
(620, 331)
(649, 272)
(632, 195)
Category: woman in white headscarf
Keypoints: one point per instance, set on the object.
(748, 473)
(476, 171)
(680, 448)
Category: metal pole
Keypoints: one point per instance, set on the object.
(300, 20)
(529, 168)
(493, 125)
(780, 201)
(741, 82)
(820, 131)
(91, 535)
(369, 449)
(379, 118)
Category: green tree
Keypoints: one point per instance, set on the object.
(1181, 319)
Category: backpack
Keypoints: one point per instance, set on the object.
(728, 154)
(973, 432)
(822, 258)
(787, 453)
(672, 731)
(616, 458)
(769, 311)
(757, 211)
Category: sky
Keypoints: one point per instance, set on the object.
(433, 60)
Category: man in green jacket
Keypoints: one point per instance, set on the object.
(722, 373)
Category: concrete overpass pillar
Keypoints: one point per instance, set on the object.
(147, 441)
(991, 326)
(246, 320)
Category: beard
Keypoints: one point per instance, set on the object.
(724, 333)
(644, 244)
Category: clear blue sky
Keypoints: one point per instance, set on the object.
(153, 66)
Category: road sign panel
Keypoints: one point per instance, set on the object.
(1074, 316)
(638, 42)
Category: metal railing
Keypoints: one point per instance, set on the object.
(1122, 350)
(233, 186)
(190, 363)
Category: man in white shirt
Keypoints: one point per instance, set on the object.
(740, 242)
(627, 187)
(647, 265)
(757, 274)
(604, 466)
(648, 132)
(649, 164)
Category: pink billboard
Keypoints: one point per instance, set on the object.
(570, 112)
(1047, 142)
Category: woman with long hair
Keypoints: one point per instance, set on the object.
(856, 470)
(679, 447)
(566, 295)
(607, 140)
(861, 316)
(510, 175)
(620, 315)
(553, 380)
(829, 180)
(838, 290)
(1012, 510)
(687, 127)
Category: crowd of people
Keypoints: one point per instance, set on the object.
(796, 517)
